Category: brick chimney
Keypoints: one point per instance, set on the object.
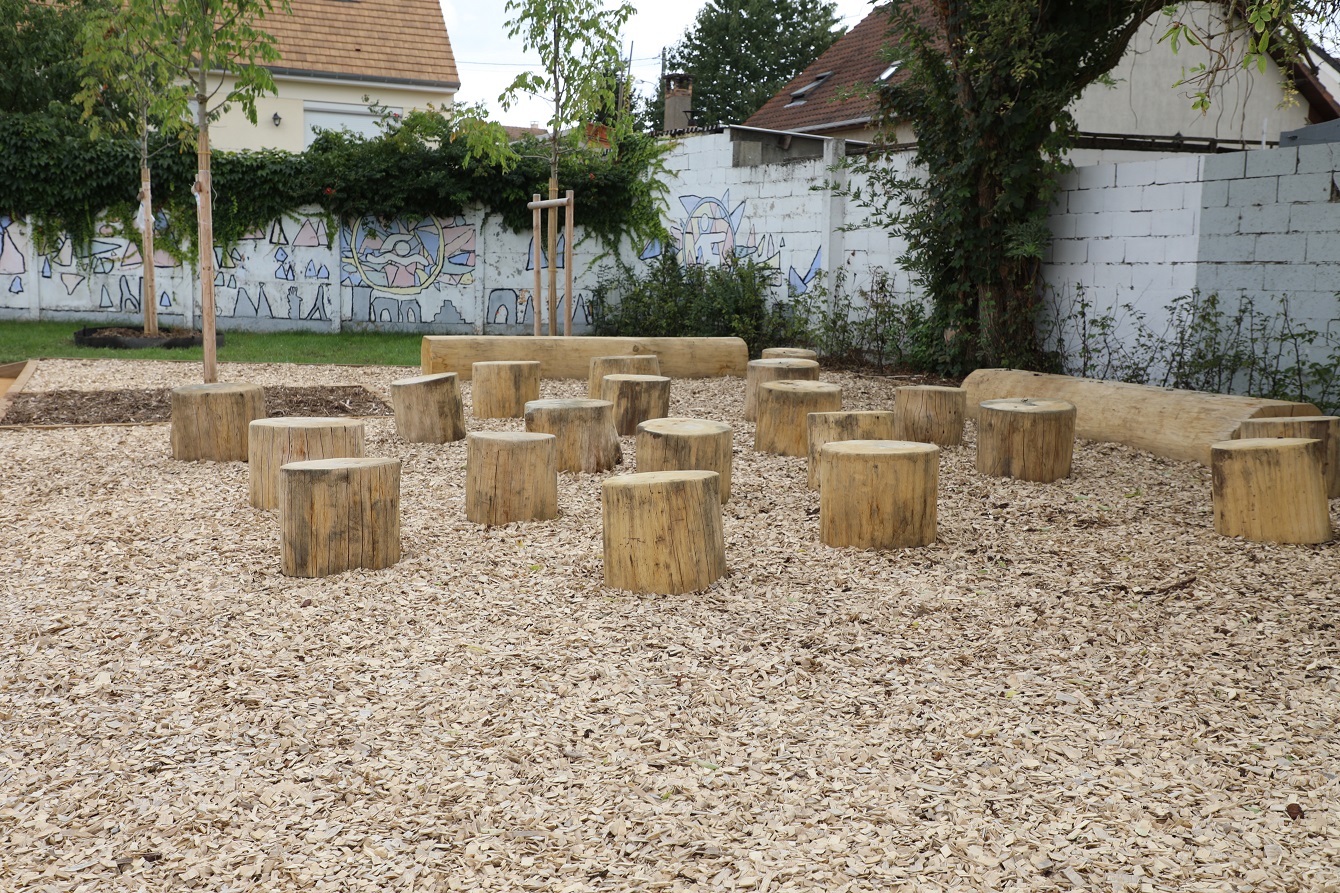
(678, 101)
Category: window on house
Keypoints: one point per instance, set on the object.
(887, 73)
(798, 96)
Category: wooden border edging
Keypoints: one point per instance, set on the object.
(563, 357)
(20, 372)
(1167, 422)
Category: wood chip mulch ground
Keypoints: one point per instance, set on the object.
(1079, 686)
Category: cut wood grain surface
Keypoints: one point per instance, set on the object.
(210, 422)
(273, 443)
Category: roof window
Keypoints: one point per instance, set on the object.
(886, 73)
(798, 96)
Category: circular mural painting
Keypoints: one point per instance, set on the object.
(401, 258)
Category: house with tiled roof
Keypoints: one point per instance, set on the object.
(835, 96)
(333, 53)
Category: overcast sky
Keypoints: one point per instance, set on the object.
(488, 60)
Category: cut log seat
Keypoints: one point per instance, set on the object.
(1167, 422)
(562, 357)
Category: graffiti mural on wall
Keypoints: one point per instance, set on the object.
(13, 266)
(412, 273)
(510, 308)
(281, 272)
(712, 231)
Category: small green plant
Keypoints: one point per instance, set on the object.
(871, 326)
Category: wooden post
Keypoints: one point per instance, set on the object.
(686, 445)
(631, 364)
(553, 259)
(789, 353)
(1027, 439)
(1325, 428)
(584, 430)
(536, 250)
(662, 531)
(780, 369)
(510, 476)
(929, 414)
(502, 388)
(878, 494)
(636, 398)
(428, 408)
(567, 265)
(337, 514)
(277, 442)
(204, 206)
(782, 410)
(1270, 490)
(211, 421)
(826, 427)
(148, 289)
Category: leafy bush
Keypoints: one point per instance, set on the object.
(871, 327)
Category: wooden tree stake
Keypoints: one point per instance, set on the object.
(428, 408)
(783, 407)
(510, 476)
(636, 398)
(210, 421)
(502, 388)
(663, 531)
(783, 369)
(277, 442)
(337, 514)
(686, 445)
(878, 494)
(1325, 428)
(827, 427)
(1027, 439)
(630, 364)
(1270, 489)
(584, 431)
(930, 414)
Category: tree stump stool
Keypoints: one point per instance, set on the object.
(663, 531)
(1325, 428)
(1270, 490)
(428, 408)
(783, 406)
(827, 427)
(878, 494)
(210, 421)
(789, 353)
(337, 514)
(502, 388)
(930, 414)
(686, 445)
(277, 442)
(584, 432)
(759, 372)
(631, 364)
(510, 476)
(1027, 439)
(636, 398)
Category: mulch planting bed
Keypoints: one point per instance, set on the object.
(125, 406)
(1078, 686)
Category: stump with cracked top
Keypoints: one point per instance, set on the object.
(627, 364)
(783, 406)
(510, 476)
(928, 413)
(1270, 490)
(828, 427)
(210, 421)
(678, 444)
(584, 431)
(502, 388)
(337, 514)
(662, 531)
(1026, 438)
(759, 372)
(1325, 428)
(279, 441)
(428, 408)
(788, 353)
(636, 398)
(878, 494)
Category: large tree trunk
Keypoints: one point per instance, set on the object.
(204, 201)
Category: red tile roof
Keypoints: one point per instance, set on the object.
(855, 59)
(375, 40)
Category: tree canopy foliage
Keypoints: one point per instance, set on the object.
(42, 69)
(741, 52)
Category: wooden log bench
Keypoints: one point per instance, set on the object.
(878, 494)
(510, 476)
(211, 422)
(337, 514)
(585, 439)
(276, 442)
(1270, 489)
(686, 445)
(563, 357)
(428, 408)
(662, 531)
(1175, 424)
(828, 427)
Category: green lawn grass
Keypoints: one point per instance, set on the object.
(33, 340)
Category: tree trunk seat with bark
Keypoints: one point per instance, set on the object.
(636, 398)
(337, 514)
(662, 531)
(930, 414)
(565, 357)
(1325, 428)
(632, 364)
(777, 369)
(279, 441)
